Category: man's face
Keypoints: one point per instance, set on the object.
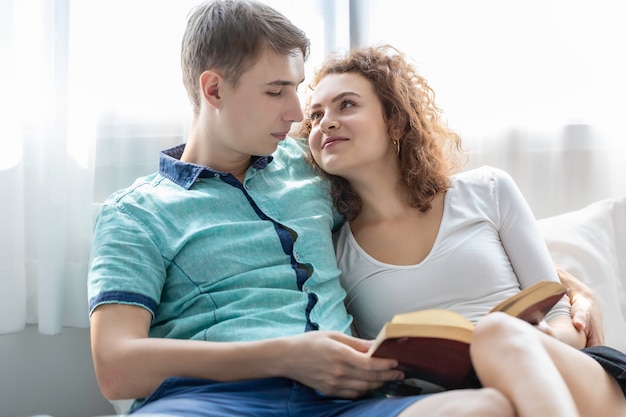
(258, 112)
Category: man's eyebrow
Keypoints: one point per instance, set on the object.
(282, 83)
(337, 98)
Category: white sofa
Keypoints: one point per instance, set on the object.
(53, 375)
(591, 244)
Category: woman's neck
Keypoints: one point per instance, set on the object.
(383, 197)
(389, 229)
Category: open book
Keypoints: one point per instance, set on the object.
(432, 346)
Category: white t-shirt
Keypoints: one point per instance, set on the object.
(487, 248)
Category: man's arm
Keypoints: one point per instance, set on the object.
(129, 364)
(586, 311)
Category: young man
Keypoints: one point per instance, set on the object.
(213, 285)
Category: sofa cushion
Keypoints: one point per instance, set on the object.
(590, 243)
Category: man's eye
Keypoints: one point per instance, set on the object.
(274, 93)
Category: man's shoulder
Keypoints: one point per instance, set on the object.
(292, 147)
(144, 205)
(291, 158)
(138, 189)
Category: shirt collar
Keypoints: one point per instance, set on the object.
(185, 173)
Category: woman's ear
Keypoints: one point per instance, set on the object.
(397, 126)
(210, 82)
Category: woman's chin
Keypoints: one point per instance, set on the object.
(333, 170)
(333, 165)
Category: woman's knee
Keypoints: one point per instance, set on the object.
(500, 328)
(498, 336)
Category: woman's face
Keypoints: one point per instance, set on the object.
(348, 132)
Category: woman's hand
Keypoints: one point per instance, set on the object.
(562, 328)
(586, 311)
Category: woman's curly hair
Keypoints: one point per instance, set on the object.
(428, 151)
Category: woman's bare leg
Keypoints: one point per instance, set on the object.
(483, 402)
(541, 375)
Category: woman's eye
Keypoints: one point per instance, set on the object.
(347, 103)
(315, 116)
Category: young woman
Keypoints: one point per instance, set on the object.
(420, 236)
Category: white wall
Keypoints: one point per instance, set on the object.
(49, 375)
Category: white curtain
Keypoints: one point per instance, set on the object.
(90, 91)
(46, 169)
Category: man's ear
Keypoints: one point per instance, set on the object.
(210, 82)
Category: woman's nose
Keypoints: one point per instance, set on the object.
(328, 124)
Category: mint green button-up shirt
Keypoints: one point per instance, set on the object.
(214, 259)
